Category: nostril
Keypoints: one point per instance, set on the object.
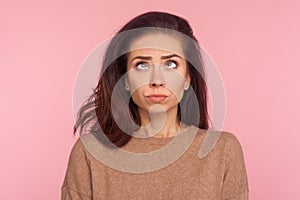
(155, 84)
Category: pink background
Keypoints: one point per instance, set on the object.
(255, 45)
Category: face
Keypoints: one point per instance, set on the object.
(157, 72)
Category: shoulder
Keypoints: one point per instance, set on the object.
(231, 142)
(84, 150)
(81, 149)
(229, 139)
(233, 147)
(79, 145)
(78, 151)
(214, 140)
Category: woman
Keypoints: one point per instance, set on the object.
(147, 123)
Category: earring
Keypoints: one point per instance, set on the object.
(186, 86)
(127, 87)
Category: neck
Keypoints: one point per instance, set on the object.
(160, 123)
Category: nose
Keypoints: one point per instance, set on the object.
(157, 78)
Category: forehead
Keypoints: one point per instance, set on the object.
(157, 43)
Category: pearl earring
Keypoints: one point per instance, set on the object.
(186, 86)
(127, 87)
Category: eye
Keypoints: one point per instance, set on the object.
(142, 66)
(171, 64)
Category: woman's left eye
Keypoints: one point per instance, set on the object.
(171, 64)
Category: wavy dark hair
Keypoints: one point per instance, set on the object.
(96, 115)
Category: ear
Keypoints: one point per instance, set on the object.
(188, 78)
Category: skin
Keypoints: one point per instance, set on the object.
(156, 76)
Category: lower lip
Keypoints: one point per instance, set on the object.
(157, 99)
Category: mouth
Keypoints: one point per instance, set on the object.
(157, 98)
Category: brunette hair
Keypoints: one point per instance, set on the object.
(98, 109)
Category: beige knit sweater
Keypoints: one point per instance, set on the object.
(218, 172)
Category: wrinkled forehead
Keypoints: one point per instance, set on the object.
(158, 41)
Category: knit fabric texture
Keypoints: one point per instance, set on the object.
(216, 171)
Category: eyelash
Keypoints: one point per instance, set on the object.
(142, 62)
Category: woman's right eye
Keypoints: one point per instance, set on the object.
(142, 66)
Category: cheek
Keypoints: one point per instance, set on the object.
(178, 93)
(138, 80)
(175, 82)
(137, 96)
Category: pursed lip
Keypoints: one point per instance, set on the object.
(156, 97)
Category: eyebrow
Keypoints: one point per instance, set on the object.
(150, 58)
